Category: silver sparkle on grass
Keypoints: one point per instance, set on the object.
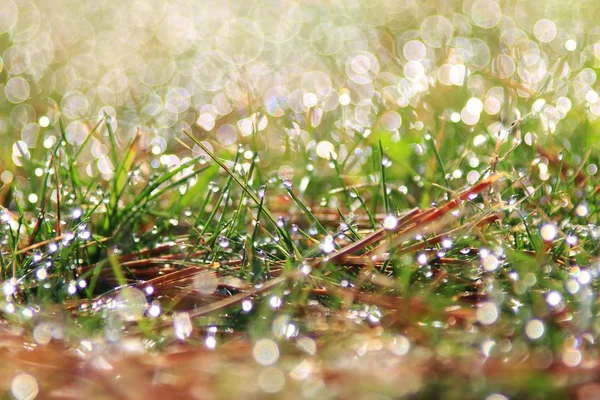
(206, 282)
(24, 387)
(265, 352)
(182, 325)
(534, 329)
(490, 262)
(210, 342)
(487, 313)
(223, 242)
(155, 309)
(130, 304)
(247, 305)
(328, 244)
(390, 222)
(548, 232)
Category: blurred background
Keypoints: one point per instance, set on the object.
(302, 80)
(307, 77)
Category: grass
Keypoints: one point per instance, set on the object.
(331, 252)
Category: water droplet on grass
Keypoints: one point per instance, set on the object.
(210, 342)
(571, 240)
(182, 325)
(265, 352)
(72, 288)
(42, 333)
(275, 302)
(306, 269)
(553, 298)
(247, 305)
(280, 222)
(534, 329)
(41, 274)
(154, 310)
(487, 314)
(24, 387)
(262, 191)
(490, 262)
(390, 222)
(223, 242)
(130, 304)
(206, 282)
(571, 357)
(400, 345)
(328, 245)
(548, 232)
(8, 288)
(581, 210)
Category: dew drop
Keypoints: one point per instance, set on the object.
(41, 274)
(24, 387)
(8, 288)
(265, 352)
(247, 305)
(223, 242)
(72, 288)
(206, 282)
(400, 345)
(275, 301)
(210, 342)
(390, 222)
(130, 303)
(262, 191)
(487, 314)
(328, 245)
(553, 298)
(154, 310)
(548, 232)
(581, 210)
(182, 325)
(490, 262)
(534, 329)
(306, 269)
(571, 357)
